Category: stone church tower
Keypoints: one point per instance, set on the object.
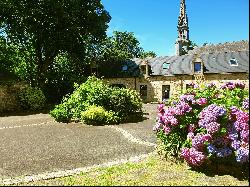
(182, 42)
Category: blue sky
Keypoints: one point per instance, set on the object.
(154, 22)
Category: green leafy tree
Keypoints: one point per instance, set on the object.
(51, 26)
(192, 45)
(148, 54)
(121, 46)
(117, 49)
(14, 58)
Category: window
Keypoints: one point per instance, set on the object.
(166, 65)
(233, 62)
(143, 91)
(165, 92)
(125, 68)
(143, 69)
(118, 85)
(189, 86)
(197, 67)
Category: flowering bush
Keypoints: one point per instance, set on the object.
(206, 124)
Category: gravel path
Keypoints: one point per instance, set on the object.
(35, 144)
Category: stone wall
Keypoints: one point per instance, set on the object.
(176, 83)
(8, 97)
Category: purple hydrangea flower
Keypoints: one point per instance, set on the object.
(211, 148)
(199, 139)
(157, 126)
(191, 128)
(244, 134)
(240, 85)
(190, 135)
(170, 120)
(207, 137)
(242, 155)
(245, 104)
(211, 85)
(233, 136)
(235, 144)
(161, 108)
(193, 157)
(198, 142)
(234, 110)
(201, 101)
(166, 129)
(212, 127)
(182, 108)
(224, 152)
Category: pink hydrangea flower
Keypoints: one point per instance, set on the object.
(193, 157)
(202, 101)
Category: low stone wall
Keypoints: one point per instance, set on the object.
(8, 96)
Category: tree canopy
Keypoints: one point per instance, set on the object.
(51, 26)
(123, 46)
(116, 50)
(50, 43)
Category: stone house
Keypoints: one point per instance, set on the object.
(160, 78)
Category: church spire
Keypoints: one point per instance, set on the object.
(182, 41)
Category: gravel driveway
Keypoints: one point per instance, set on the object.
(35, 144)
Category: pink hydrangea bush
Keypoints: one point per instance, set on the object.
(206, 124)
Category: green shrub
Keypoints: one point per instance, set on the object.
(124, 102)
(119, 102)
(61, 113)
(31, 98)
(97, 115)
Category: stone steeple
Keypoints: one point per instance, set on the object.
(182, 42)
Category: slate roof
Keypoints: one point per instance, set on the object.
(213, 62)
(219, 62)
(235, 46)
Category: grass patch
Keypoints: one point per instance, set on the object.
(154, 170)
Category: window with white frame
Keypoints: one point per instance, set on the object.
(165, 66)
(197, 67)
(233, 62)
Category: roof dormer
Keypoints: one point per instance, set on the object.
(197, 66)
(145, 68)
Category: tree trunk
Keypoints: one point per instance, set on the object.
(43, 64)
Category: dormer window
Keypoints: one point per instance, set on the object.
(143, 69)
(233, 62)
(197, 67)
(125, 68)
(165, 66)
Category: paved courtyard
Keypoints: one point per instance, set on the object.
(35, 144)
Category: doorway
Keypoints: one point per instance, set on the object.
(165, 92)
